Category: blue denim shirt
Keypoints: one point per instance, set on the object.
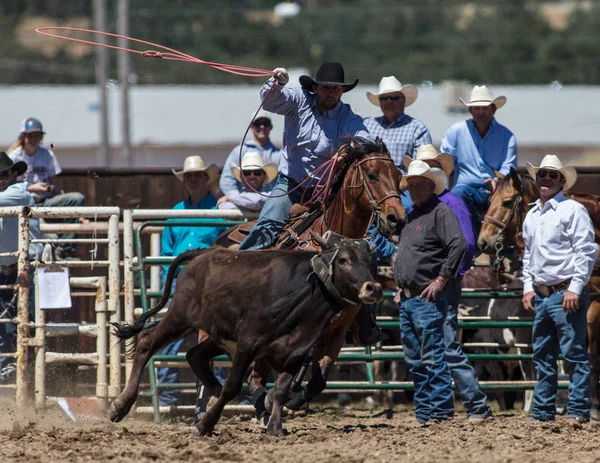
(475, 157)
(309, 137)
(269, 153)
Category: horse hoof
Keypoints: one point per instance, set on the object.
(116, 413)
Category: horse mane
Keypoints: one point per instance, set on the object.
(527, 183)
(358, 151)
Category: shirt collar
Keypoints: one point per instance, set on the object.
(553, 202)
(204, 203)
(384, 122)
(426, 206)
(332, 113)
(471, 124)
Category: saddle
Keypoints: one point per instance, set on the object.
(300, 220)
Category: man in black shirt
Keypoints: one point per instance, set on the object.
(430, 252)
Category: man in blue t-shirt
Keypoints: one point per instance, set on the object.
(197, 179)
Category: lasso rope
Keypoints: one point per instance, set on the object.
(169, 54)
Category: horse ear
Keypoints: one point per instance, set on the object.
(499, 175)
(515, 179)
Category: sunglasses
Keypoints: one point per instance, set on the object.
(255, 172)
(391, 97)
(261, 124)
(550, 173)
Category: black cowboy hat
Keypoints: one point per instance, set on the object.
(329, 73)
(6, 163)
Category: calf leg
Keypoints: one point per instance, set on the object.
(317, 382)
(149, 341)
(233, 384)
(199, 358)
(280, 395)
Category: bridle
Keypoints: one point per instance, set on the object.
(499, 245)
(375, 204)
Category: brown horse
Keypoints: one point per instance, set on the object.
(502, 230)
(367, 190)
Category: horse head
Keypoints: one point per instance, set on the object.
(503, 224)
(369, 193)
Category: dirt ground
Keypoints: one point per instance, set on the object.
(324, 435)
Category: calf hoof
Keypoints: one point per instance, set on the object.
(595, 414)
(201, 430)
(116, 413)
(275, 431)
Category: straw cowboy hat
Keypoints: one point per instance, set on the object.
(253, 160)
(428, 152)
(421, 169)
(329, 73)
(481, 96)
(392, 85)
(551, 162)
(196, 164)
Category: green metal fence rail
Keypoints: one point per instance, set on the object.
(368, 356)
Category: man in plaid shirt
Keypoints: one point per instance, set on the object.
(401, 133)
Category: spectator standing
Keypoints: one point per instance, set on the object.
(197, 179)
(430, 253)
(558, 261)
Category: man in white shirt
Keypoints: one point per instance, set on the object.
(253, 176)
(12, 193)
(559, 259)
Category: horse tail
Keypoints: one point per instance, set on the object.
(126, 330)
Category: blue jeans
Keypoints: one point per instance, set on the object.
(556, 331)
(422, 326)
(477, 200)
(272, 216)
(463, 374)
(8, 331)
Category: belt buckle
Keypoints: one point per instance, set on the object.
(543, 290)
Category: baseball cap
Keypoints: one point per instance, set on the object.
(262, 114)
(31, 125)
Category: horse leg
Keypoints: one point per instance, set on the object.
(149, 341)
(233, 384)
(593, 332)
(280, 395)
(256, 386)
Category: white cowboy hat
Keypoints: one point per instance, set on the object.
(551, 162)
(392, 85)
(428, 152)
(253, 160)
(422, 169)
(481, 96)
(196, 164)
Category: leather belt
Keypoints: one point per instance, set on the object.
(546, 290)
(413, 292)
